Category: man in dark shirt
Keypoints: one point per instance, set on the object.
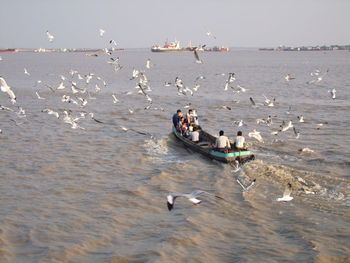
(176, 118)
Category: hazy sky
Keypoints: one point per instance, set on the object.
(137, 23)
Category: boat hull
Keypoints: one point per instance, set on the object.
(204, 147)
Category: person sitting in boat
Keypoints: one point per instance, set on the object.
(176, 118)
(195, 118)
(222, 143)
(182, 127)
(239, 141)
(194, 134)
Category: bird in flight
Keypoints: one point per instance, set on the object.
(286, 194)
(49, 36)
(191, 197)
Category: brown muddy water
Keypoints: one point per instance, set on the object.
(98, 194)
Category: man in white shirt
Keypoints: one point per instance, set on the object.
(239, 141)
(222, 142)
(195, 135)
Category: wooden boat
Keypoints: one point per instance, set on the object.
(204, 146)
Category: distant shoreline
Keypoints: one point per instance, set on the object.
(99, 50)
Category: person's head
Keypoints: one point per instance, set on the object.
(182, 119)
(221, 132)
(190, 111)
(239, 133)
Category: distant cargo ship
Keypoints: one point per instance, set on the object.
(172, 46)
(175, 46)
(217, 49)
(8, 50)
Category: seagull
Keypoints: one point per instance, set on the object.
(332, 92)
(196, 87)
(241, 88)
(26, 72)
(268, 102)
(210, 34)
(148, 63)
(51, 112)
(255, 134)
(39, 97)
(102, 32)
(191, 197)
(246, 188)
(288, 77)
(5, 108)
(135, 74)
(21, 113)
(306, 150)
(198, 60)
(49, 36)
(199, 78)
(92, 117)
(289, 110)
(115, 100)
(231, 77)
(286, 194)
(286, 127)
(6, 88)
(238, 123)
(124, 128)
(112, 42)
(226, 107)
(297, 134)
(178, 82)
(301, 118)
(61, 86)
(252, 101)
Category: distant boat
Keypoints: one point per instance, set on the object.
(205, 147)
(218, 49)
(9, 50)
(172, 46)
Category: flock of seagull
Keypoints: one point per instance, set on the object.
(79, 89)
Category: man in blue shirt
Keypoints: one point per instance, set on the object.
(176, 118)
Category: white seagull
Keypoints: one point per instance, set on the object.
(286, 127)
(332, 92)
(288, 77)
(61, 86)
(102, 32)
(210, 34)
(148, 63)
(191, 197)
(286, 194)
(51, 112)
(198, 60)
(39, 97)
(6, 88)
(26, 72)
(115, 100)
(49, 36)
(255, 134)
(246, 188)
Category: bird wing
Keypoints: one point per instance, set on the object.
(198, 60)
(252, 101)
(287, 191)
